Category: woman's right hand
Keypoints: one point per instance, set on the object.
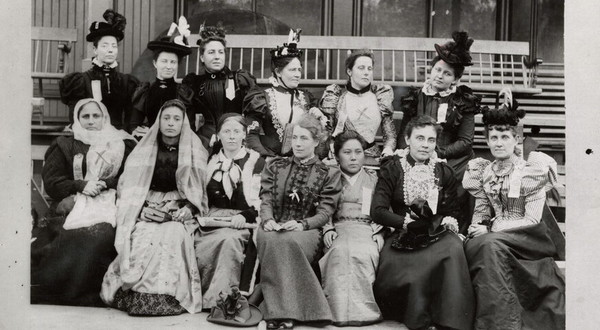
(93, 188)
(328, 238)
(271, 225)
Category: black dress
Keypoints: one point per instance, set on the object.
(427, 286)
(211, 99)
(117, 89)
(149, 98)
(67, 266)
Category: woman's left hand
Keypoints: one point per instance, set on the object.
(378, 238)
(292, 225)
(183, 214)
(238, 221)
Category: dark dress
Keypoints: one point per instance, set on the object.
(426, 286)
(117, 90)
(210, 97)
(67, 266)
(149, 98)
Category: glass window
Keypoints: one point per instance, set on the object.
(478, 17)
(393, 18)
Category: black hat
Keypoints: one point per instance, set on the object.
(114, 26)
(457, 51)
(175, 41)
(289, 49)
(233, 309)
(211, 33)
(506, 114)
(423, 231)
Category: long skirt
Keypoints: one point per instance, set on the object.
(164, 278)
(517, 283)
(427, 286)
(219, 255)
(68, 265)
(290, 287)
(348, 272)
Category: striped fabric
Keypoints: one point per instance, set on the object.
(510, 193)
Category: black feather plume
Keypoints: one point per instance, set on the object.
(116, 20)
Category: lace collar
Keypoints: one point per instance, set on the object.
(305, 162)
(504, 167)
(430, 91)
(101, 65)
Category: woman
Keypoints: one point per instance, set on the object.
(149, 98)
(452, 106)
(233, 182)
(160, 192)
(423, 277)
(103, 82)
(299, 194)
(510, 253)
(80, 175)
(217, 89)
(353, 242)
(361, 106)
(273, 112)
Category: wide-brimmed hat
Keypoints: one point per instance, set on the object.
(233, 309)
(114, 26)
(456, 51)
(425, 230)
(176, 40)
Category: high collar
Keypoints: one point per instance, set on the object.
(225, 73)
(281, 88)
(163, 146)
(430, 91)
(412, 161)
(503, 167)
(357, 91)
(307, 162)
(163, 83)
(102, 66)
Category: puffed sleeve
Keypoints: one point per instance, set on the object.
(138, 101)
(112, 182)
(388, 177)
(255, 109)
(448, 205)
(186, 95)
(72, 88)
(385, 97)
(267, 179)
(329, 103)
(473, 183)
(408, 106)
(58, 182)
(245, 80)
(131, 85)
(251, 213)
(190, 84)
(467, 105)
(328, 198)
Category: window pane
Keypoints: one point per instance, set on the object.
(304, 14)
(394, 18)
(478, 17)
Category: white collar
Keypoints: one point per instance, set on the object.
(430, 91)
(100, 64)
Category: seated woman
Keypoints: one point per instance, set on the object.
(423, 278)
(148, 98)
(273, 112)
(353, 242)
(233, 183)
(160, 192)
(299, 194)
(510, 254)
(80, 175)
(361, 106)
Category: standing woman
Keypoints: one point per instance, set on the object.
(217, 89)
(517, 283)
(80, 175)
(423, 278)
(103, 82)
(299, 195)
(273, 112)
(160, 193)
(233, 183)
(353, 242)
(149, 98)
(362, 106)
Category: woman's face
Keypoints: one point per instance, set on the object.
(171, 121)
(361, 74)
(303, 143)
(107, 50)
(232, 135)
(91, 117)
(421, 142)
(351, 157)
(290, 74)
(442, 76)
(166, 65)
(502, 143)
(213, 56)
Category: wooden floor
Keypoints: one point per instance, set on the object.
(67, 317)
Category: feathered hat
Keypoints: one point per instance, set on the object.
(506, 114)
(176, 40)
(211, 33)
(456, 51)
(114, 26)
(289, 49)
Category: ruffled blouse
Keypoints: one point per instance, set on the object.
(511, 193)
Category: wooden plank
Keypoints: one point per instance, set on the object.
(53, 33)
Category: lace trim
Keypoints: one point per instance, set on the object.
(419, 180)
(300, 102)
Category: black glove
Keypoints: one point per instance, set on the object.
(421, 209)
